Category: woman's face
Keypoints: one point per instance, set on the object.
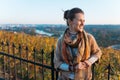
(77, 24)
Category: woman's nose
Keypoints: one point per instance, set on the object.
(82, 22)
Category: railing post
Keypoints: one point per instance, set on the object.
(52, 64)
(13, 50)
(93, 72)
(8, 50)
(2, 43)
(20, 49)
(27, 63)
(109, 68)
(42, 66)
(34, 64)
(57, 75)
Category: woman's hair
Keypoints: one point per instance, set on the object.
(70, 14)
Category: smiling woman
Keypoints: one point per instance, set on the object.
(76, 49)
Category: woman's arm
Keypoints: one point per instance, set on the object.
(95, 51)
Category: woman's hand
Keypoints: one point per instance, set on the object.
(81, 65)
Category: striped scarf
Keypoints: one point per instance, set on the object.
(80, 42)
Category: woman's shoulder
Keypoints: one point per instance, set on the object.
(90, 35)
(60, 39)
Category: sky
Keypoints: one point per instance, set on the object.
(51, 11)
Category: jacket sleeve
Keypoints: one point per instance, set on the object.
(95, 50)
(57, 55)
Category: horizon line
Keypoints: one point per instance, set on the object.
(49, 24)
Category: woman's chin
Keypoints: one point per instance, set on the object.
(80, 30)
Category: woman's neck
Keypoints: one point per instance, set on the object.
(72, 31)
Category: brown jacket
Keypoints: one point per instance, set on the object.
(86, 74)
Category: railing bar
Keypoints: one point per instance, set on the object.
(27, 63)
(20, 49)
(93, 72)
(34, 64)
(52, 65)
(3, 60)
(8, 61)
(4, 66)
(42, 66)
(13, 50)
(56, 75)
(109, 68)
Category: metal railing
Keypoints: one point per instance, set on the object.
(11, 63)
(14, 66)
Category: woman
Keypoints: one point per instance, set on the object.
(76, 50)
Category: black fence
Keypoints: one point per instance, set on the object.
(14, 65)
